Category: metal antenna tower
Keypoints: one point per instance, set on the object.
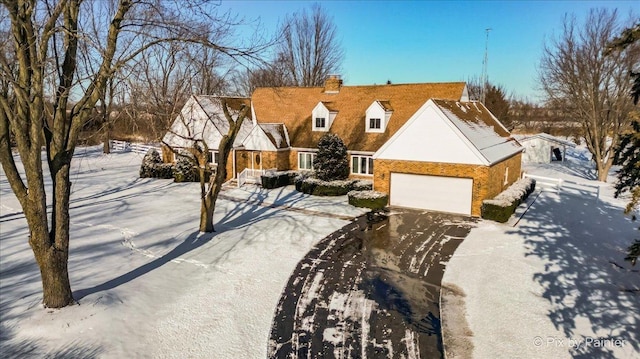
(485, 75)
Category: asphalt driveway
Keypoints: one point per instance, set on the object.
(369, 290)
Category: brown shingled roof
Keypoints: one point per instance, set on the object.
(292, 106)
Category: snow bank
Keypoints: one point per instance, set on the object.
(514, 194)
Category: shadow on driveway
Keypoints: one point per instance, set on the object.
(369, 290)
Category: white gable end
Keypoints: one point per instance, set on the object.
(429, 136)
(257, 140)
(191, 124)
(202, 118)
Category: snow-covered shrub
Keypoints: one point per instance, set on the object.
(503, 205)
(319, 187)
(275, 179)
(362, 185)
(368, 199)
(331, 162)
(185, 169)
(300, 178)
(152, 166)
(163, 170)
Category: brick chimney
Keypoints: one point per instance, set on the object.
(332, 84)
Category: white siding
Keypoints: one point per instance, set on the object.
(537, 150)
(429, 137)
(258, 141)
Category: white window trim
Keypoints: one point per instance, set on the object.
(379, 124)
(315, 123)
(368, 163)
(313, 156)
(213, 157)
(506, 176)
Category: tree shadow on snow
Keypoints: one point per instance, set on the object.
(585, 279)
(193, 241)
(12, 347)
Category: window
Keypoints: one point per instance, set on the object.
(374, 123)
(213, 157)
(362, 165)
(305, 160)
(320, 122)
(506, 176)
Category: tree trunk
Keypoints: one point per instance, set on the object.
(603, 169)
(207, 206)
(208, 203)
(52, 249)
(56, 288)
(106, 147)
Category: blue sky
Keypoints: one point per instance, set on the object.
(438, 41)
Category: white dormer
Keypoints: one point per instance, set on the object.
(322, 117)
(377, 116)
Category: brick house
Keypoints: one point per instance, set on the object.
(425, 144)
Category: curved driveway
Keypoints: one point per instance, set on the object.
(369, 290)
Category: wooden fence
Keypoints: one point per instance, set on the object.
(560, 185)
(123, 146)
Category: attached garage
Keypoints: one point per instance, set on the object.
(437, 193)
(448, 157)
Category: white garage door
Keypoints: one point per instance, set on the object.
(445, 194)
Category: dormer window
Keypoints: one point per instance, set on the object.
(377, 116)
(322, 116)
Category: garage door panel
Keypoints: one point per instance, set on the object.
(445, 194)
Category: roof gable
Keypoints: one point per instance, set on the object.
(267, 137)
(202, 118)
(440, 133)
(481, 128)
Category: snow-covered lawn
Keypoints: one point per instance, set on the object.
(150, 285)
(553, 286)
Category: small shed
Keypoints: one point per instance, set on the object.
(543, 148)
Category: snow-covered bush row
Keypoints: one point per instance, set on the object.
(362, 185)
(368, 199)
(501, 207)
(318, 187)
(366, 194)
(152, 166)
(275, 179)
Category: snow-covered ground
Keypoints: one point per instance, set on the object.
(555, 285)
(148, 283)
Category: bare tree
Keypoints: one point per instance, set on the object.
(272, 74)
(46, 37)
(209, 194)
(310, 48)
(193, 133)
(593, 88)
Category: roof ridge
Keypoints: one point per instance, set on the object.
(370, 85)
